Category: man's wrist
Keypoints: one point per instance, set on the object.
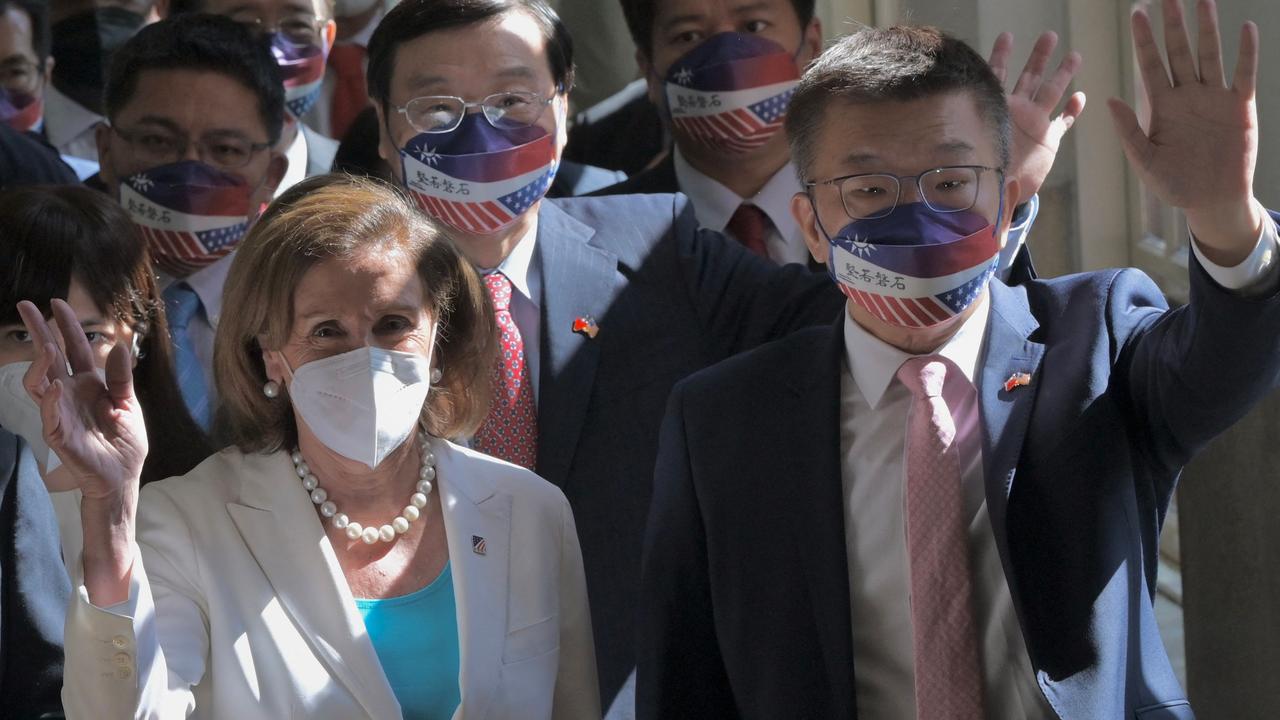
(1227, 235)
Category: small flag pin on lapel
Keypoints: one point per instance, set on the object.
(477, 545)
(586, 325)
(1017, 380)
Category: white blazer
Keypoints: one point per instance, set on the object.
(238, 607)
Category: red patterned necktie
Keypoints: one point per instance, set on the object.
(510, 430)
(944, 631)
(350, 94)
(748, 226)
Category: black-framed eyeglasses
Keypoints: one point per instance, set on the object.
(298, 29)
(867, 196)
(153, 147)
(504, 110)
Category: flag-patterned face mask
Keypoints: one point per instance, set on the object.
(302, 68)
(731, 92)
(916, 267)
(191, 214)
(477, 178)
(20, 111)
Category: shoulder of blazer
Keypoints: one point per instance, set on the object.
(659, 179)
(477, 475)
(773, 366)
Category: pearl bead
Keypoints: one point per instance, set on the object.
(354, 530)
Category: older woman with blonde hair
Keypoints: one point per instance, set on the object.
(341, 560)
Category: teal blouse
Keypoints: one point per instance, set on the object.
(416, 638)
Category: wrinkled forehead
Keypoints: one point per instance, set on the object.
(902, 136)
(494, 53)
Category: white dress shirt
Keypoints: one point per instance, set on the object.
(714, 205)
(296, 154)
(69, 126)
(522, 268)
(207, 283)
(873, 419)
(320, 117)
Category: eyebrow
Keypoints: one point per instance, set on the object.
(681, 20)
(174, 127)
(751, 8)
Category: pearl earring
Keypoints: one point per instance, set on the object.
(436, 375)
(271, 389)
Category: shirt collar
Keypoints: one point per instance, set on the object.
(874, 364)
(207, 283)
(714, 204)
(521, 267)
(64, 118)
(297, 156)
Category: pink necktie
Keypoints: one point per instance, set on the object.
(510, 430)
(947, 667)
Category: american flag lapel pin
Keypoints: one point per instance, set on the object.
(477, 545)
(586, 325)
(1017, 380)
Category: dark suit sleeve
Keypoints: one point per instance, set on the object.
(744, 300)
(1191, 372)
(680, 673)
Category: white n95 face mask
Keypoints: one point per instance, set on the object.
(362, 404)
(20, 415)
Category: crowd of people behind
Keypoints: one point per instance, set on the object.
(330, 387)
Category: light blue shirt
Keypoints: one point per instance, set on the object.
(416, 638)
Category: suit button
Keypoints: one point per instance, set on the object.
(124, 673)
(122, 659)
(121, 642)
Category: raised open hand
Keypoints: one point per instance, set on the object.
(1036, 132)
(95, 428)
(1200, 148)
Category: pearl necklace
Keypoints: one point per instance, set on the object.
(354, 530)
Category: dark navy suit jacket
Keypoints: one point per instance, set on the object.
(34, 590)
(668, 300)
(745, 597)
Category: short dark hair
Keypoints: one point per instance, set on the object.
(898, 63)
(641, 14)
(208, 43)
(38, 13)
(57, 233)
(412, 19)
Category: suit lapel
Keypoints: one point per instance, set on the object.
(478, 527)
(579, 280)
(281, 530)
(811, 438)
(1006, 413)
